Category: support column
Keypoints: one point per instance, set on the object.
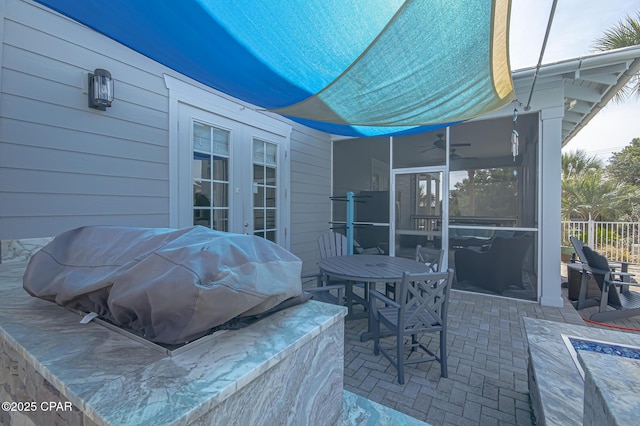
(550, 206)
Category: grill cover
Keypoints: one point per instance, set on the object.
(169, 285)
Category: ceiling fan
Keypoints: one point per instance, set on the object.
(441, 144)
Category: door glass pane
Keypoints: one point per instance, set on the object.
(265, 189)
(210, 176)
(418, 212)
(258, 197)
(270, 199)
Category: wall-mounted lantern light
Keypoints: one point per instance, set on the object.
(100, 89)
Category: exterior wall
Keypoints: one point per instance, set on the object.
(310, 192)
(64, 165)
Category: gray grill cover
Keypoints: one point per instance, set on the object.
(171, 286)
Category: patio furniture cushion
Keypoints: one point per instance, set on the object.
(167, 285)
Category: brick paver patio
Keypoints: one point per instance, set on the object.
(487, 383)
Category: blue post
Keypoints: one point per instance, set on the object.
(350, 206)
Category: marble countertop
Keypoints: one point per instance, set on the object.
(560, 384)
(618, 386)
(115, 379)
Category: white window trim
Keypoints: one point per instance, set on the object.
(207, 99)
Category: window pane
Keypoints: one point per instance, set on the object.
(258, 174)
(258, 197)
(271, 219)
(271, 154)
(270, 175)
(258, 219)
(220, 194)
(201, 166)
(201, 137)
(220, 142)
(258, 151)
(221, 220)
(201, 194)
(220, 169)
(271, 197)
(271, 236)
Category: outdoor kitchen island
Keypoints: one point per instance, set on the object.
(284, 369)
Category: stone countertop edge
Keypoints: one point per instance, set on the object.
(202, 376)
(552, 361)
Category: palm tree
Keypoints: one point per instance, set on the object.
(591, 195)
(624, 34)
(578, 162)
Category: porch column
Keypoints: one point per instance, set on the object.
(550, 206)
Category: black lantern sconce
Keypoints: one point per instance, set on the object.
(100, 89)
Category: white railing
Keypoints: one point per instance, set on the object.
(618, 241)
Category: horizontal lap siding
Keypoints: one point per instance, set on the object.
(62, 164)
(310, 191)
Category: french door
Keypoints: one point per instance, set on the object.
(233, 175)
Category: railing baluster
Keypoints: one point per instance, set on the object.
(619, 241)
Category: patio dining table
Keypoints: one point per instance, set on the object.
(367, 269)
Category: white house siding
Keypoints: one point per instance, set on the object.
(310, 192)
(64, 165)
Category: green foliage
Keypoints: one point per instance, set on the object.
(486, 192)
(625, 165)
(587, 192)
(624, 34)
(577, 163)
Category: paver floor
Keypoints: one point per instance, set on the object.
(487, 381)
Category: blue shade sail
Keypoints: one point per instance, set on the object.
(350, 68)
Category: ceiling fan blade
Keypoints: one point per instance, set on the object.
(459, 144)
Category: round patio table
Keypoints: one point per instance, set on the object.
(367, 269)
(370, 268)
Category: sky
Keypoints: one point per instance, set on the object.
(576, 25)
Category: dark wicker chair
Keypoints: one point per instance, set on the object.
(497, 268)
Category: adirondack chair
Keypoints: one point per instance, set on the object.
(614, 286)
(335, 244)
(592, 291)
(327, 290)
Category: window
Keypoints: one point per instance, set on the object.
(265, 168)
(210, 177)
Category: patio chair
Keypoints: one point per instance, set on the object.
(431, 257)
(614, 287)
(332, 244)
(335, 244)
(496, 269)
(578, 247)
(329, 293)
(421, 308)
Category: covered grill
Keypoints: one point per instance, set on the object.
(170, 286)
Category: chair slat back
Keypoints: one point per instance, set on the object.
(599, 267)
(332, 244)
(429, 256)
(578, 247)
(424, 300)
